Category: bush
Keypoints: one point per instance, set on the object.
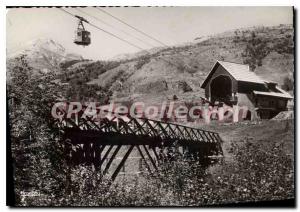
(288, 84)
(284, 45)
(142, 61)
(256, 50)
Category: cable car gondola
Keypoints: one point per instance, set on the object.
(82, 36)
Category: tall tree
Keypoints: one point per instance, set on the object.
(36, 152)
(256, 50)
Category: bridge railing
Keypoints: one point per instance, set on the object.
(125, 124)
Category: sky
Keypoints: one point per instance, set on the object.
(170, 25)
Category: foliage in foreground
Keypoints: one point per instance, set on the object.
(255, 175)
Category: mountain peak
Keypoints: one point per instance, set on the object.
(44, 54)
(36, 45)
(49, 44)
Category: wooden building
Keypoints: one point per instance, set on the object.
(235, 84)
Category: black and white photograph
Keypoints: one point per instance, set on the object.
(150, 106)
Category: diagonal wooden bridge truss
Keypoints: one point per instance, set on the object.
(111, 140)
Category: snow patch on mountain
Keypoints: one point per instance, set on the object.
(44, 54)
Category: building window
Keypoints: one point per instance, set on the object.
(263, 102)
(281, 103)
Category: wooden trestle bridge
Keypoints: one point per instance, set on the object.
(98, 142)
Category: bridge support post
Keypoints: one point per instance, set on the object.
(115, 174)
(111, 159)
(143, 157)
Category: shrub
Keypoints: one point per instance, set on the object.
(256, 50)
(142, 61)
(288, 84)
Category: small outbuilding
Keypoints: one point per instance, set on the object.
(235, 84)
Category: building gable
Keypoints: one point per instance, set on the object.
(239, 72)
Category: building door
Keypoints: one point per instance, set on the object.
(221, 89)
